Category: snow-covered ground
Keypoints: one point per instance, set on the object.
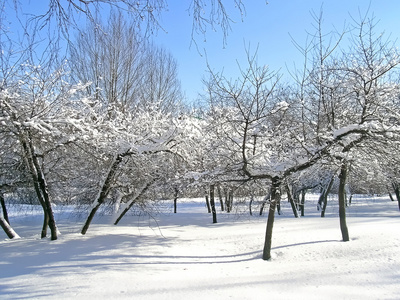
(185, 256)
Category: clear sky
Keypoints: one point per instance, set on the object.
(268, 26)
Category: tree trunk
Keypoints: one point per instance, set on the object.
(39, 184)
(275, 198)
(390, 196)
(221, 202)
(4, 208)
(342, 202)
(323, 198)
(226, 196)
(175, 199)
(291, 201)
(45, 193)
(105, 189)
(45, 224)
(268, 196)
(8, 229)
(250, 204)
(212, 203)
(229, 201)
(396, 188)
(208, 202)
(302, 202)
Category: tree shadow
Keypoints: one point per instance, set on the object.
(306, 243)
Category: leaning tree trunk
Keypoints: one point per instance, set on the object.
(212, 203)
(133, 200)
(291, 201)
(391, 197)
(207, 202)
(342, 202)
(275, 198)
(105, 189)
(4, 208)
(8, 229)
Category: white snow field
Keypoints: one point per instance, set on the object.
(185, 256)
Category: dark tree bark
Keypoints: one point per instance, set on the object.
(323, 198)
(275, 198)
(176, 191)
(342, 202)
(208, 203)
(221, 202)
(302, 202)
(45, 224)
(391, 197)
(8, 229)
(212, 203)
(278, 207)
(291, 201)
(264, 202)
(262, 207)
(230, 200)
(4, 208)
(250, 204)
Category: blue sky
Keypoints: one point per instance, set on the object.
(266, 26)
(270, 27)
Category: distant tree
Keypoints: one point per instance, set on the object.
(125, 70)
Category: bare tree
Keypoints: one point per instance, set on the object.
(125, 70)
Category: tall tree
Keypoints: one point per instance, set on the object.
(126, 71)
